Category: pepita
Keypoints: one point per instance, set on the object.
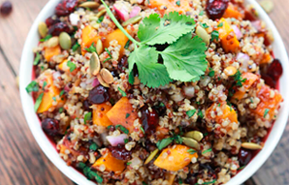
(99, 47)
(201, 32)
(191, 143)
(101, 13)
(53, 42)
(251, 146)
(89, 4)
(42, 29)
(151, 156)
(132, 20)
(101, 81)
(94, 64)
(196, 135)
(65, 40)
(267, 5)
(106, 76)
(95, 25)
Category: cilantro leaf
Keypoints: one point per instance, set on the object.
(38, 102)
(32, 87)
(186, 59)
(151, 73)
(156, 30)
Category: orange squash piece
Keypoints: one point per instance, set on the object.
(181, 6)
(50, 52)
(228, 112)
(267, 103)
(119, 36)
(228, 37)
(89, 36)
(250, 80)
(47, 100)
(122, 113)
(233, 12)
(174, 158)
(161, 132)
(99, 114)
(111, 164)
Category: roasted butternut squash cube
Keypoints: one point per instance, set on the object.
(99, 116)
(110, 163)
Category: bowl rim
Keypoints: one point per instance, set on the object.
(45, 145)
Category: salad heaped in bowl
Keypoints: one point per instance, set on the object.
(156, 91)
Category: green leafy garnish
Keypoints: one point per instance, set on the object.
(220, 25)
(87, 117)
(44, 85)
(178, 3)
(46, 38)
(60, 110)
(191, 151)
(109, 54)
(54, 98)
(32, 87)
(141, 128)
(201, 13)
(127, 44)
(206, 151)
(266, 112)
(38, 102)
(190, 113)
(128, 163)
(238, 79)
(122, 128)
(200, 114)
(71, 66)
(37, 59)
(125, 140)
(211, 73)
(206, 183)
(93, 147)
(164, 143)
(121, 92)
(156, 30)
(150, 71)
(100, 19)
(204, 25)
(184, 59)
(89, 173)
(127, 115)
(91, 48)
(215, 35)
(61, 93)
(75, 46)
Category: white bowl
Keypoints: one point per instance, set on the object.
(51, 153)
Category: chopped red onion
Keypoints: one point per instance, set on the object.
(237, 32)
(121, 11)
(135, 11)
(115, 140)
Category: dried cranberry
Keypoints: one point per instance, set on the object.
(269, 81)
(50, 21)
(65, 7)
(6, 8)
(86, 105)
(216, 8)
(98, 95)
(275, 70)
(123, 64)
(161, 109)
(244, 156)
(57, 28)
(51, 126)
(149, 119)
(120, 152)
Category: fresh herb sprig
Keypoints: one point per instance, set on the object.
(184, 59)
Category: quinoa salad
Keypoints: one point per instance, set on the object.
(149, 92)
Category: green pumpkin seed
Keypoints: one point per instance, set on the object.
(267, 5)
(201, 32)
(65, 40)
(89, 4)
(191, 143)
(95, 25)
(132, 20)
(94, 64)
(99, 47)
(151, 156)
(106, 76)
(42, 29)
(101, 81)
(251, 146)
(101, 13)
(53, 42)
(196, 135)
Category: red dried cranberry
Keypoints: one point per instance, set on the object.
(49, 21)
(244, 157)
(6, 8)
(57, 28)
(98, 95)
(50, 126)
(86, 105)
(269, 81)
(65, 7)
(149, 119)
(275, 70)
(123, 64)
(216, 8)
(120, 152)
